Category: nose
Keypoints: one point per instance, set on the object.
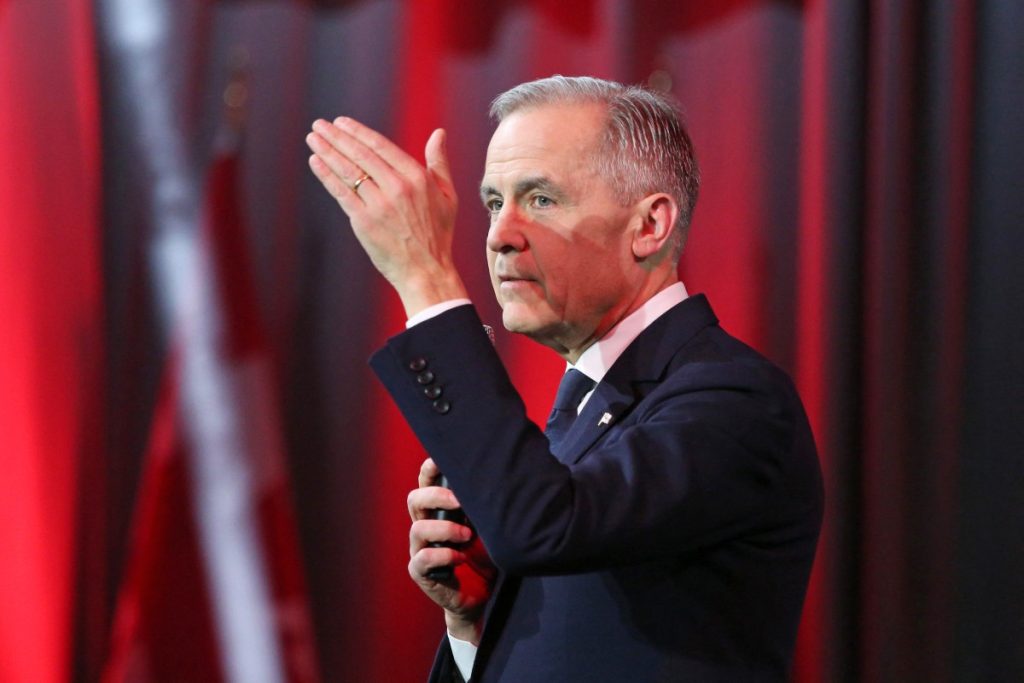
(507, 231)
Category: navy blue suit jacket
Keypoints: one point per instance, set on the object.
(671, 536)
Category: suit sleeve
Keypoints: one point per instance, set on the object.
(704, 458)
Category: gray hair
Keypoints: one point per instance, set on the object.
(645, 147)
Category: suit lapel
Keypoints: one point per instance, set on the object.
(607, 403)
(637, 371)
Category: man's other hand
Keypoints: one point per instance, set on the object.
(465, 595)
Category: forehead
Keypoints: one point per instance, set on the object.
(548, 139)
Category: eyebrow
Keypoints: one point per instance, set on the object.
(524, 186)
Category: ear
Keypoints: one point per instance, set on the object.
(657, 215)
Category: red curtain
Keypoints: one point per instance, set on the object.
(855, 224)
(51, 351)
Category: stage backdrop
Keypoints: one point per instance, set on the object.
(186, 315)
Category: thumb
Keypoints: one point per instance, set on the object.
(436, 155)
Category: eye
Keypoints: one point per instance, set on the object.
(493, 205)
(542, 201)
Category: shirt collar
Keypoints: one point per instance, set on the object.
(602, 354)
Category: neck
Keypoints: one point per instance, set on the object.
(626, 307)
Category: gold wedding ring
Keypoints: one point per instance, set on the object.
(359, 181)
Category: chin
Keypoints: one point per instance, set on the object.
(513, 323)
(515, 319)
(541, 329)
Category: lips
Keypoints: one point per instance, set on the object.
(507, 273)
(514, 278)
(514, 275)
(511, 283)
(516, 285)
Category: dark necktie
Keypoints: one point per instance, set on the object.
(571, 390)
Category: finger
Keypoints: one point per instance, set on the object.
(335, 186)
(431, 558)
(423, 501)
(429, 472)
(436, 155)
(360, 155)
(426, 531)
(338, 164)
(321, 143)
(381, 146)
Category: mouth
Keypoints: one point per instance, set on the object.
(512, 283)
(514, 276)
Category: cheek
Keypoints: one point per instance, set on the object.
(494, 281)
(491, 259)
(566, 276)
(597, 282)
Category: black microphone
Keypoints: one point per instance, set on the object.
(457, 515)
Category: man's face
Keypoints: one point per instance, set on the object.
(558, 248)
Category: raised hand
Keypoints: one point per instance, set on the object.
(402, 212)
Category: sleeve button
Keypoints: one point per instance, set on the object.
(418, 364)
(433, 391)
(425, 377)
(442, 406)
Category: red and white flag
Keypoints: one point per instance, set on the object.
(213, 589)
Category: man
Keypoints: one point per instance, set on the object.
(664, 525)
